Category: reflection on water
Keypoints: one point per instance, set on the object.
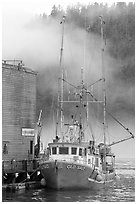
(124, 190)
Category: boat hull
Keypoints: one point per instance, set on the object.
(65, 175)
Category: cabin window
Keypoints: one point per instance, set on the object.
(74, 150)
(54, 150)
(80, 151)
(109, 160)
(85, 151)
(96, 162)
(63, 150)
(49, 150)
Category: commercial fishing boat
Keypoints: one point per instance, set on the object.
(73, 162)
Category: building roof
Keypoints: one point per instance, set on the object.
(17, 65)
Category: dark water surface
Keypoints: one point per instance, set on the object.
(124, 190)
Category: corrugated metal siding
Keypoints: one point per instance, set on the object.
(18, 110)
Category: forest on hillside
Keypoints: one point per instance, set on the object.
(119, 31)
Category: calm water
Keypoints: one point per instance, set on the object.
(118, 192)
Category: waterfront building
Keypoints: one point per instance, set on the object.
(18, 111)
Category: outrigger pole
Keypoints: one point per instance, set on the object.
(127, 129)
(132, 136)
(104, 91)
(113, 143)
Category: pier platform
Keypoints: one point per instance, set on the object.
(15, 187)
(21, 174)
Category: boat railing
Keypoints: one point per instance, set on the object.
(72, 160)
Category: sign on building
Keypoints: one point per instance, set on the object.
(28, 132)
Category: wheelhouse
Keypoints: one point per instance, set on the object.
(67, 149)
(71, 152)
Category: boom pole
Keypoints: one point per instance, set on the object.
(123, 140)
(37, 135)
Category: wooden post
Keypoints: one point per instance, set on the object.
(2, 172)
(24, 162)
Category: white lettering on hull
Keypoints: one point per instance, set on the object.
(73, 166)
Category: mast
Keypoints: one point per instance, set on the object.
(57, 120)
(81, 104)
(62, 74)
(104, 88)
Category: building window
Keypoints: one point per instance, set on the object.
(31, 147)
(5, 148)
(89, 161)
(63, 150)
(85, 152)
(96, 162)
(54, 150)
(92, 161)
(74, 150)
(80, 151)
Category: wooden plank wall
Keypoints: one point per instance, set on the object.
(18, 110)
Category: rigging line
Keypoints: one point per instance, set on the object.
(90, 127)
(109, 135)
(127, 129)
(121, 124)
(69, 44)
(99, 137)
(51, 107)
(95, 82)
(70, 84)
(78, 87)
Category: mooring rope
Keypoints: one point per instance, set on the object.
(30, 175)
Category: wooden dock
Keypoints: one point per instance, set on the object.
(20, 171)
(22, 186)
(20, 166)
